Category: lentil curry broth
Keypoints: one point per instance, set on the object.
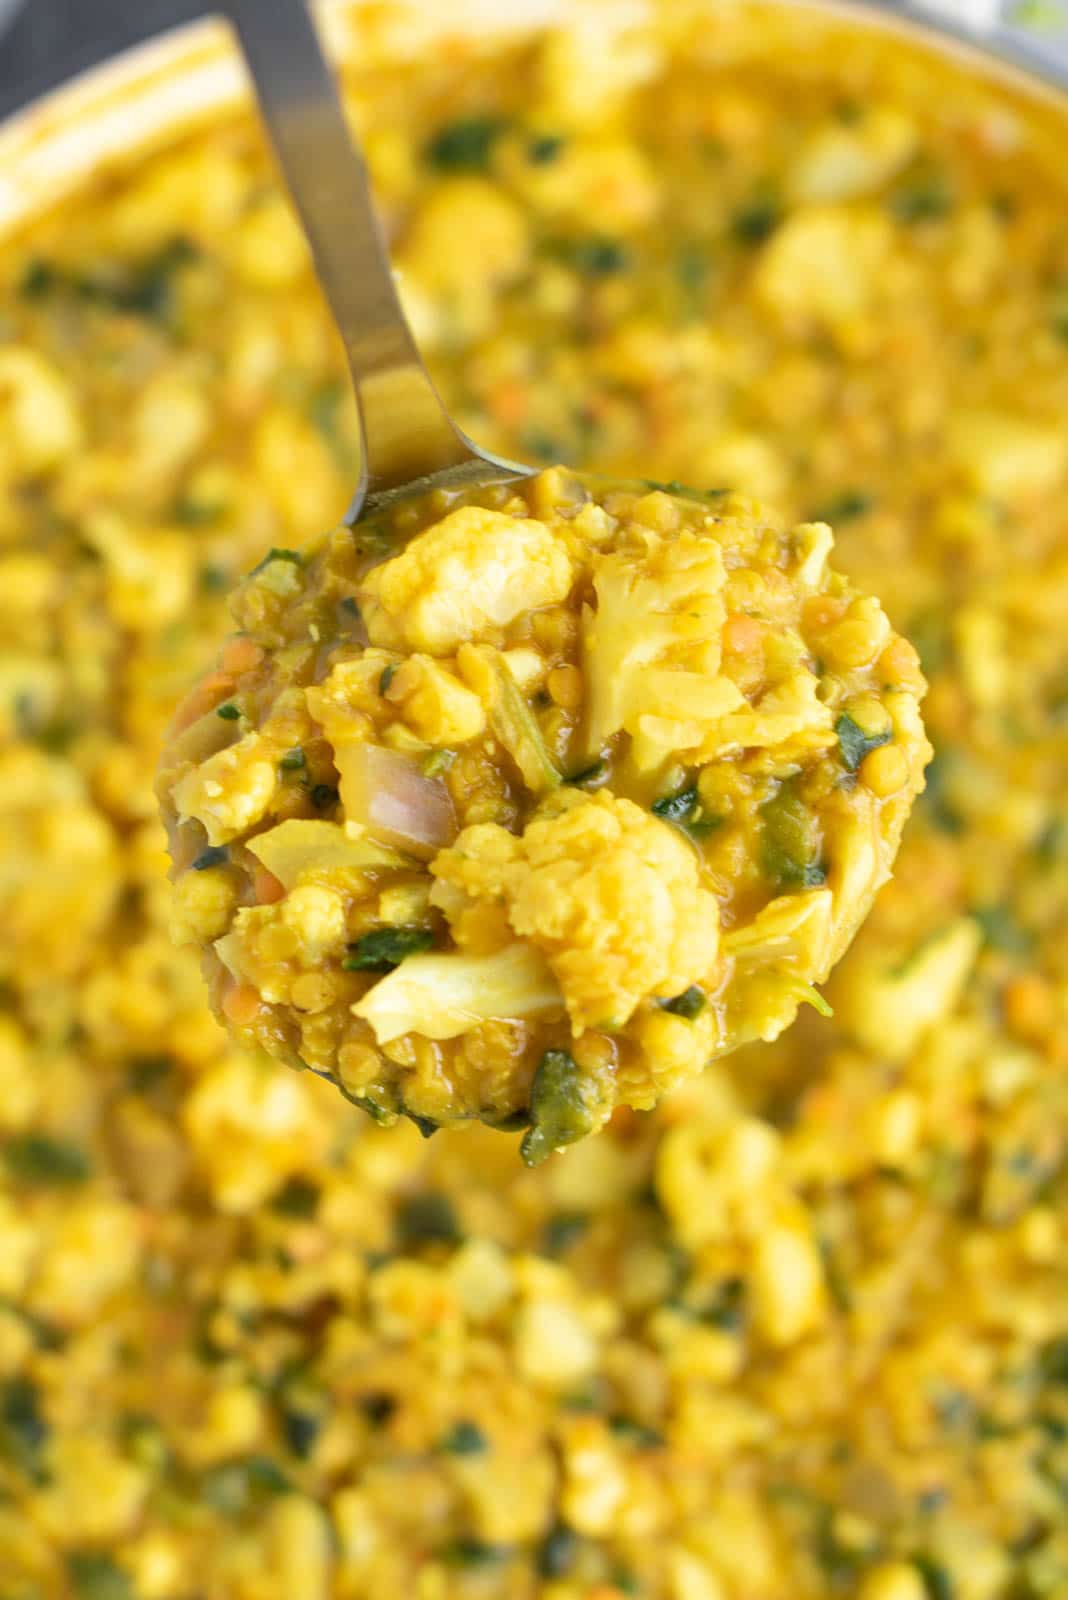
(804, 1330)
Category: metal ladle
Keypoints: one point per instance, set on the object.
(410, 444)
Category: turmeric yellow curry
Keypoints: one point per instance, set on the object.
(802, 1330)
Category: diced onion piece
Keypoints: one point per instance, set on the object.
(296, 846)
(396, 802)
(442, 996)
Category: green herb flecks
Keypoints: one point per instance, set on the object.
(385, 948)
(1001, 930)
(301, 1430)
(689, 1004)
(562, 1107)
(563, 1230)
(790, 844)
(595, 256)
(228, 711)
(386, 677)
(146, 288)
(924, 195)
(293, 761)
(39, 1159)
(238, 1486)
(465, 145)
(588, 777)
(854, 743)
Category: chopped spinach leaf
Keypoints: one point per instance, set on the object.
(228, 711)
(757, 221)
(689, 1004)
(544, 148)
(385, 948)
(96, 1576)
(464, 1439)
(216, 855)
(24, 1433)
(37, 1158)
(845, 507)
(301, 1429)
(1001, 929)
(377, 1407)
(465, 145)
(936, 1579)
(557, 1552)
(298, 1197)
(563, 1230)
(588, 775)
(924, 196)
(561, 1107)
(685, 810)
(854, 743)
(237, 1486)
(427, 1218)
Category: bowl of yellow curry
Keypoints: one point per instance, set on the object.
(801, 1330)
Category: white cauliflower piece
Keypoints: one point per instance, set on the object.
(609, 893)
(843, 159)
(434, 703)
(442, 996)
(650, 607)
(1007, 456)
(472, 571)
(316, 915)
(824, 265)
(231, 790)
(787, 711)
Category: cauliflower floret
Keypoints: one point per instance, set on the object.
(824, 265)
(841, 160)
(316, 915)
(347, 702)
(608, 892)
(231, 790)
(203, 905)
(668, 599)
(435, 704)
(473, 570)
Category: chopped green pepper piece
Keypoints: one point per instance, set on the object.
(228, 711)
(790, 845)
(561, 1107)
(689, 1004)
(385, 948)
(216, 855)
(464, 1439)
(854, 743)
